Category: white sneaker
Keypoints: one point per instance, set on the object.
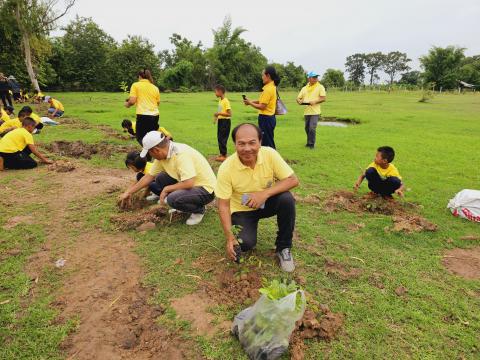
(152, 197)
(195, 219)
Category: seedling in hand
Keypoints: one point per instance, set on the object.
(236, 229)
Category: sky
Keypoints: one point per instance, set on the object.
(315, 34)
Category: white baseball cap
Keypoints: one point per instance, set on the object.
(150, 140)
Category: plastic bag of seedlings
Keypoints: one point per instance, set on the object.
(466, 204)
(264, 329)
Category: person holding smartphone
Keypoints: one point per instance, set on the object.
(266, 106)
(312, 95)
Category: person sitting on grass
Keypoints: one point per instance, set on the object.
(35, 117)
(13, 124)
(252, 184)
(16, 147)
(382, 176)
(223, 120)
(141, 166)
(56, 107)
(183, 175)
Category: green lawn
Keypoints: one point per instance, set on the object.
(437, 146)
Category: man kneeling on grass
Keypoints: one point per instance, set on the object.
(17, 145)
(254, 184)
(182, 174)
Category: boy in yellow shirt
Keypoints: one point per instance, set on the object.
(35, 117)
(223, 120)
(382, 176)
(16, 147)
(12, 124)
(141, 166)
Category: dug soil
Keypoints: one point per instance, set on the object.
(102, 275)
(463, 262)
(79, 149)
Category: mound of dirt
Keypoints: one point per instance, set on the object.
(348, 201)
(79, 149)
(131, 220)
(309, 199)
(137, 202)
(61, 166)
(340, 270)
(463, 262)
(411, 223)
(235, 286)
(350, 121)
(324, 325)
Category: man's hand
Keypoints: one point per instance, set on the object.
(127, 104)
(299, 101)
(256, 199)
(229, 247)
(356, 186)
(125, 199)
(247, 102)
(164, 194)
(313, 103)
(48, 162)
(399, 192)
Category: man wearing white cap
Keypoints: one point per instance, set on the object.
(312, 95)
(183, 174)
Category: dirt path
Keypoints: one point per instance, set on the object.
(103, 288)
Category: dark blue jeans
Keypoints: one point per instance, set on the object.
(267, 124)
(384, 187)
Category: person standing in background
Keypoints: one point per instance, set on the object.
(266, 106)
(146, 96)
(312, 95)
(5, 91)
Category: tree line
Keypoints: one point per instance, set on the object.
(86, 58)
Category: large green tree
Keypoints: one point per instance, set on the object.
(291, 75)
(395, 62)
(469, 70)
(333, 78)
(83, 61)
(374, 62)
(355, 66)
(441, 66)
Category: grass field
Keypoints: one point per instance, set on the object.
(437, 146)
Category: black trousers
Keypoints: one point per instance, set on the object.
(19, 160)
(381, 186)
(282, 205)
(145, 124)
(190, 200)
(6, 98)
(223, 133)
(267, 124)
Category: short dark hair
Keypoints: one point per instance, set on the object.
(28, 121)
(387, 153)
(133, 158)
(28, 109)
(23, 113)
(221, 88)
(126, 123)
(9, 108)
(236, 128)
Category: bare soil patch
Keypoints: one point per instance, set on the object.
(463, 262)
(350, 121)
(61, 166)
(17, 220)
(79, 149)
(340, 270)
(132, 220)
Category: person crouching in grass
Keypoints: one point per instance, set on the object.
(129, 127)
(16, 147)
(141, 167)
(56, 107)
(382, 176)
(35, 117)
(223, 120)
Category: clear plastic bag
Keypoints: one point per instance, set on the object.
(264, 329)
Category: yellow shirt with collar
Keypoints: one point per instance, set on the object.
(268, 97)
(15, 123)
(36, 118)
(148, 97)
(183, 163)
(311, 93)
(16, 140)
(57, 105)
(223, 107)
(390, 171)
(235, 179)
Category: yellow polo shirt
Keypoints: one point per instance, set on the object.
(390, 171)
(57, 104)
(16, 123)
(148, 166)
(311, 93)
(235, 179)
(269, 97)
(184, 163)
(16, 140)
(36, 118)
(148, 97)
(223, 107)
(3, 115)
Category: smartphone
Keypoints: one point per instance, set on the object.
(244, 97)
(245, 199)
(305, 104)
